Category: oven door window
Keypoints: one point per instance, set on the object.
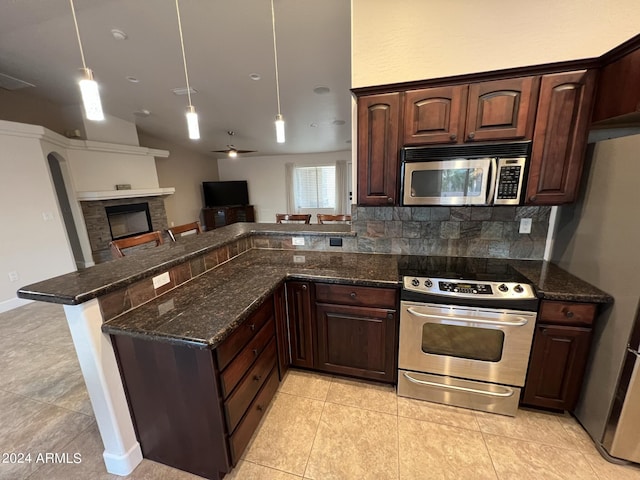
(448, 182)
(463, 342)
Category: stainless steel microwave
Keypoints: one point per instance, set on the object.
(479, 174)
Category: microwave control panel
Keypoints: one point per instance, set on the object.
(509, 182)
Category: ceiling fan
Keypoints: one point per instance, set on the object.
(232, 151)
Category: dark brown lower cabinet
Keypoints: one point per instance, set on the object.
(300, 323)
(196, 409)
(282, 330)
(556, 367)
(357, 341)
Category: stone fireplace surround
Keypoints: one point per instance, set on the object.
(95, 218)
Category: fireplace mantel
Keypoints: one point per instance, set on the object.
(114, 194)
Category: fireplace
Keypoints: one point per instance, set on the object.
(128, 220)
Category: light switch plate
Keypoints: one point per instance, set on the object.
(161, 280)
(297, 240)
(525, 225)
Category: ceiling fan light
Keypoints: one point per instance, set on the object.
(233, 153)
(192, 123)
(91, 97)
(279, 128)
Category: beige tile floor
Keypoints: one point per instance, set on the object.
(318, 426)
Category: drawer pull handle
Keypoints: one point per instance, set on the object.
(353, 294)
(453, 136)
(471, 135)
(255, 352)
(257, 378)
(568, 314)
(259, 408)
(252, 327)
(304, 287)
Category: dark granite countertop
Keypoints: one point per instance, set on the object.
(553, 283)
(204, 311)
(83, 285)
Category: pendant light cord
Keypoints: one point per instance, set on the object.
(275, 53)
(75, 21)
(184, 58)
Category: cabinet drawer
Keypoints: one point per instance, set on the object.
(240, 438)
(231, 375)
(237, 403)
(567, 313)
(239, 338)
(358, 296)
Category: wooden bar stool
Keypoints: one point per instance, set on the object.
(187, 228)
(116, 246)
(322, 218)
(293, 217)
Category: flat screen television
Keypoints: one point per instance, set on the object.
(223, 194)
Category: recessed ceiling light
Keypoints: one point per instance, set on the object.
(321, 90)
(338, 122)
(132, 79)
(143, 112)
(119, 34)
(313, 125)
(255, 76)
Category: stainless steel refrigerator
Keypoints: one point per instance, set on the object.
(596, 239)
(622, 433)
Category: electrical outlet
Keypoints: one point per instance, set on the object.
(525, 225)
(297, 240)
(161, 280)
(13, 276)
(165, 307)
(298, 259)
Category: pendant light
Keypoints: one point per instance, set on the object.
(192, 116)
(279, 117)
(88, 86)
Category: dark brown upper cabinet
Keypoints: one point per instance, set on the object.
(434, 115)
(618, 97)
(379, 118)
(560, 136)
(501, 109)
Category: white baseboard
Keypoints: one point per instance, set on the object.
(13, 303)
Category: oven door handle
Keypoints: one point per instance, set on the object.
(507, 393)
(516, 323)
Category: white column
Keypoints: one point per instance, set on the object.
(122, 451)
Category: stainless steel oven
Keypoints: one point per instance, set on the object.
(465, 342)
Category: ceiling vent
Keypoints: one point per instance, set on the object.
(183, 91)
(11, 83)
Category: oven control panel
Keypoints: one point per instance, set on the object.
(469, 289)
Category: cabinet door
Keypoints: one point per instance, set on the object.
(282, 332)
(434, 115)
(560, 137)
(300, 323)
(357, 341)
(501, 109)
(556, 367)
(378, 130)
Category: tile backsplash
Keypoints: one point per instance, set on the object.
(451, 231)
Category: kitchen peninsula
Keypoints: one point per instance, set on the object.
(219, 282)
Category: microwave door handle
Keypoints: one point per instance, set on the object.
(492, 183)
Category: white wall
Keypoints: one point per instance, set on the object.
(33, 247)
(266, 177)
(185, 170)
(99, 170)
(111, 130)
(406, 40)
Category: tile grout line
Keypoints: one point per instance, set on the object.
(270, 468)
(486, 446)
(315, 436)
(46, 403)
